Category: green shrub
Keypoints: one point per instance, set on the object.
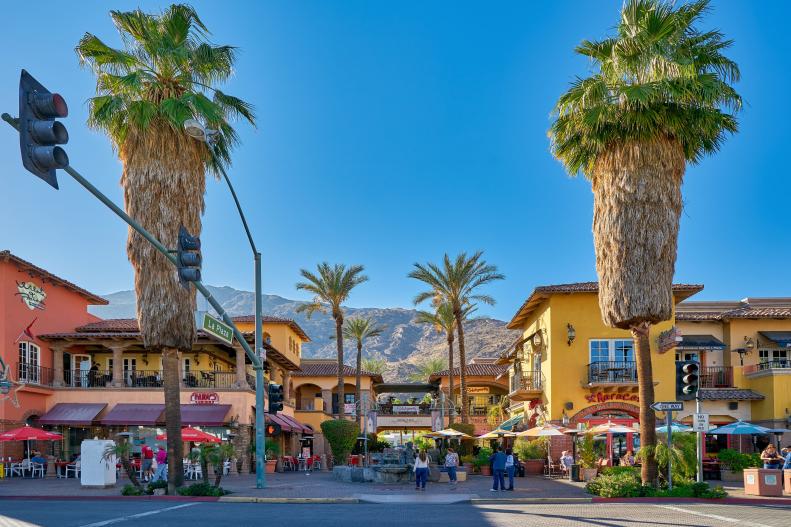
(158, 484)
(737, 461)
(531, 449)
(621, 484)
(620, 470)
(202, 489)
(131, 490)
(341, 434)
(482, 459)
(587, 452)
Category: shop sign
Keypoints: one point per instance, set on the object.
(668, 340)
(477, 390)
(204, 398)
(393, 421)
(601, 397)
(32, 295)
(350, 408)
(406, 409)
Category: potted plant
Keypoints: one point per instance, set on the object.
(532, 454)
(481, 461)
(587, 455)
(733, 463)
(468, 462)
(272, 451)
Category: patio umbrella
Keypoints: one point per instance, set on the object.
(544, 431)
(674, 427)
(740, 428)
(612, 428)
(448, 432)
(497, 433)
(194, 435)
(29, 433)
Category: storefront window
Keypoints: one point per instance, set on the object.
(715, 443)
(28, 362)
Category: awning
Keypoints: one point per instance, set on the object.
(72, 414)
(296, 426)
(510, 423)
(285, 426)
(700, 342)
(134, 414)
(204, 414)
(781, 338)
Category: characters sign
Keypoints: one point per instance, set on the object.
(668, 340)
(32, 295)
(204, 398)
(601, 397)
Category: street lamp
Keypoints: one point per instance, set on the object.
(197, 130)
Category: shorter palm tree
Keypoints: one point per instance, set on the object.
(428, 367)
(375, 365)
(360, 329)
(122, 451)
(215, 455)
(331, 287)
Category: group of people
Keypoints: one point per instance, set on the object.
(777, 460)
(503, 463)
(154, 466)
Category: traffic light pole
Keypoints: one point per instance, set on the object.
(699, 441)
(257, 360)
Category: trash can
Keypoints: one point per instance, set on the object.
(763, 482)
(575, 472)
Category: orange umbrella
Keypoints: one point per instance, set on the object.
(194, 435)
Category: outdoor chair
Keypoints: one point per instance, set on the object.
(74, 468)
(18, 469)
(288, 463)
(552, 469)
(226, 467)
(315, 463)
(36, 468)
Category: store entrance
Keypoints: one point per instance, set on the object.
(613, 447)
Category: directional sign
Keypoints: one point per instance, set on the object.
(700, 422)
(217, 328)
(675, 406)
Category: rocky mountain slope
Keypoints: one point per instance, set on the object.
(403, 344)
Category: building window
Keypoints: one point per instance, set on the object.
(28, 362)
(687, 355)
(612, 350)
(600, 350)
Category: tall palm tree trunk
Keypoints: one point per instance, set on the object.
(339, 339)
(357, 380)
(462, 364)
(172, 389)
(645, 380)
(451, 381)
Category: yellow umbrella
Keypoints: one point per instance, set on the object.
(543, 431)
(497, 433)
(611, 428)
(447, 432)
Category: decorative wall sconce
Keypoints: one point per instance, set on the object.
(144, 358)
(564, 418)
(197, 359)
(538, 340)
(571, 333)
(749, 345)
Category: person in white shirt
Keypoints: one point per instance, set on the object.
(451, 464)
(510, 467)
(421, 470)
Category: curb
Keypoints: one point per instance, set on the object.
(254, 499)
(110, 498)
(718, 501)
(528, 501)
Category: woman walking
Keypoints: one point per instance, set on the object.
(510, 467)
(451, 463)
(421, 470)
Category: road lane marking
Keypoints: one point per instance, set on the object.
(139, 515)
(714, 516)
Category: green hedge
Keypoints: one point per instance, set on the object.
(202, 489)
(736, 461)
(625, 483)
(342, 435)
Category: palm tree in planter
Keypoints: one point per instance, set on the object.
(165, 74)
(360, 329)
(455, 282)
(444, 322)
(331, 287)
(660, 97)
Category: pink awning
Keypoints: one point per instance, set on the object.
(135, 414)
(72, 414)
(204, 414)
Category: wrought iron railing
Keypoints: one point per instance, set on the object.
(527, 380)
(34, 374)
(612, 372)
(774, 364)
(716, 377)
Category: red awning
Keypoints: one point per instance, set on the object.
(204, 414)
(72, 414)
(134, 414)
(285, 426)
(296, 426)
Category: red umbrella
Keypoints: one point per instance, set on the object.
(28, 433)
(194, 435)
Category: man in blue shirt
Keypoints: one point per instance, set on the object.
(787, 456)
(498, 469)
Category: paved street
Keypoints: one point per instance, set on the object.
(102, 513)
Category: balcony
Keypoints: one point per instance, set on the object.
(716, 377)
(769, 366)
(526, 385)
(33, 374)
(608, 373)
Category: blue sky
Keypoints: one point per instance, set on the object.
(390, 133)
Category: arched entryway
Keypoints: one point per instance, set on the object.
(613, 446)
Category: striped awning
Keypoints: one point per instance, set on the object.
(509, 424)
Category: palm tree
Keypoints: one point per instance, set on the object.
(660, 97)
(331, 287)
(122, 451)
(374, 365)
(428, 367)
(444, 322)
(360, 329)
(164, 75)
(455, 283)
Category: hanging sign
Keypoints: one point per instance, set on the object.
(32, 295)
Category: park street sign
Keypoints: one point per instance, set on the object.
(675, 406)
(700, 422)
(217, 329)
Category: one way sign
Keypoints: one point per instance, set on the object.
(675, 406)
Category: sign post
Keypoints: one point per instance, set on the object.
(669, 408)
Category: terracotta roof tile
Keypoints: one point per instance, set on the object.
(330, 369)
(274, 320)
(747, 308)
(729, 394)
(473, 370)
(91, 297)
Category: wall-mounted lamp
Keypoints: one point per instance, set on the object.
(145, 359)
(571, 333)
(197, 359)
(749, 345)
(537, 340)
(564, 418)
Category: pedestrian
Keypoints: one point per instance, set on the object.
(771, 457)
(497, 460)
(510, 467)
(147, 453)
(787, 457)
(566, 460)
(162, 464)
(451, 464)
(421, 470)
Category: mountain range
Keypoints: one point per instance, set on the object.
(404, 343)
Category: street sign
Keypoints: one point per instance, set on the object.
(675, 406)
(700, 422)
(217, 329)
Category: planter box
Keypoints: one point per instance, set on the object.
(787, 481)
(271, 465)
(534, 467)
(763, 482)
(468, 467)
(588, 474)
(485, 470)
(731, 475)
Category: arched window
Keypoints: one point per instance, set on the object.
(29, 362)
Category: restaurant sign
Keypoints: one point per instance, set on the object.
(406, 409)
(477, 390)
(601, 397)
(32, 295)
(204, 398)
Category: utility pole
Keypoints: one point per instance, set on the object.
(699, 441)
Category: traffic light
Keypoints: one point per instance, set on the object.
(273, 430)
(39, 132)
(188, 258)
(275, 398)
(687, 379)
